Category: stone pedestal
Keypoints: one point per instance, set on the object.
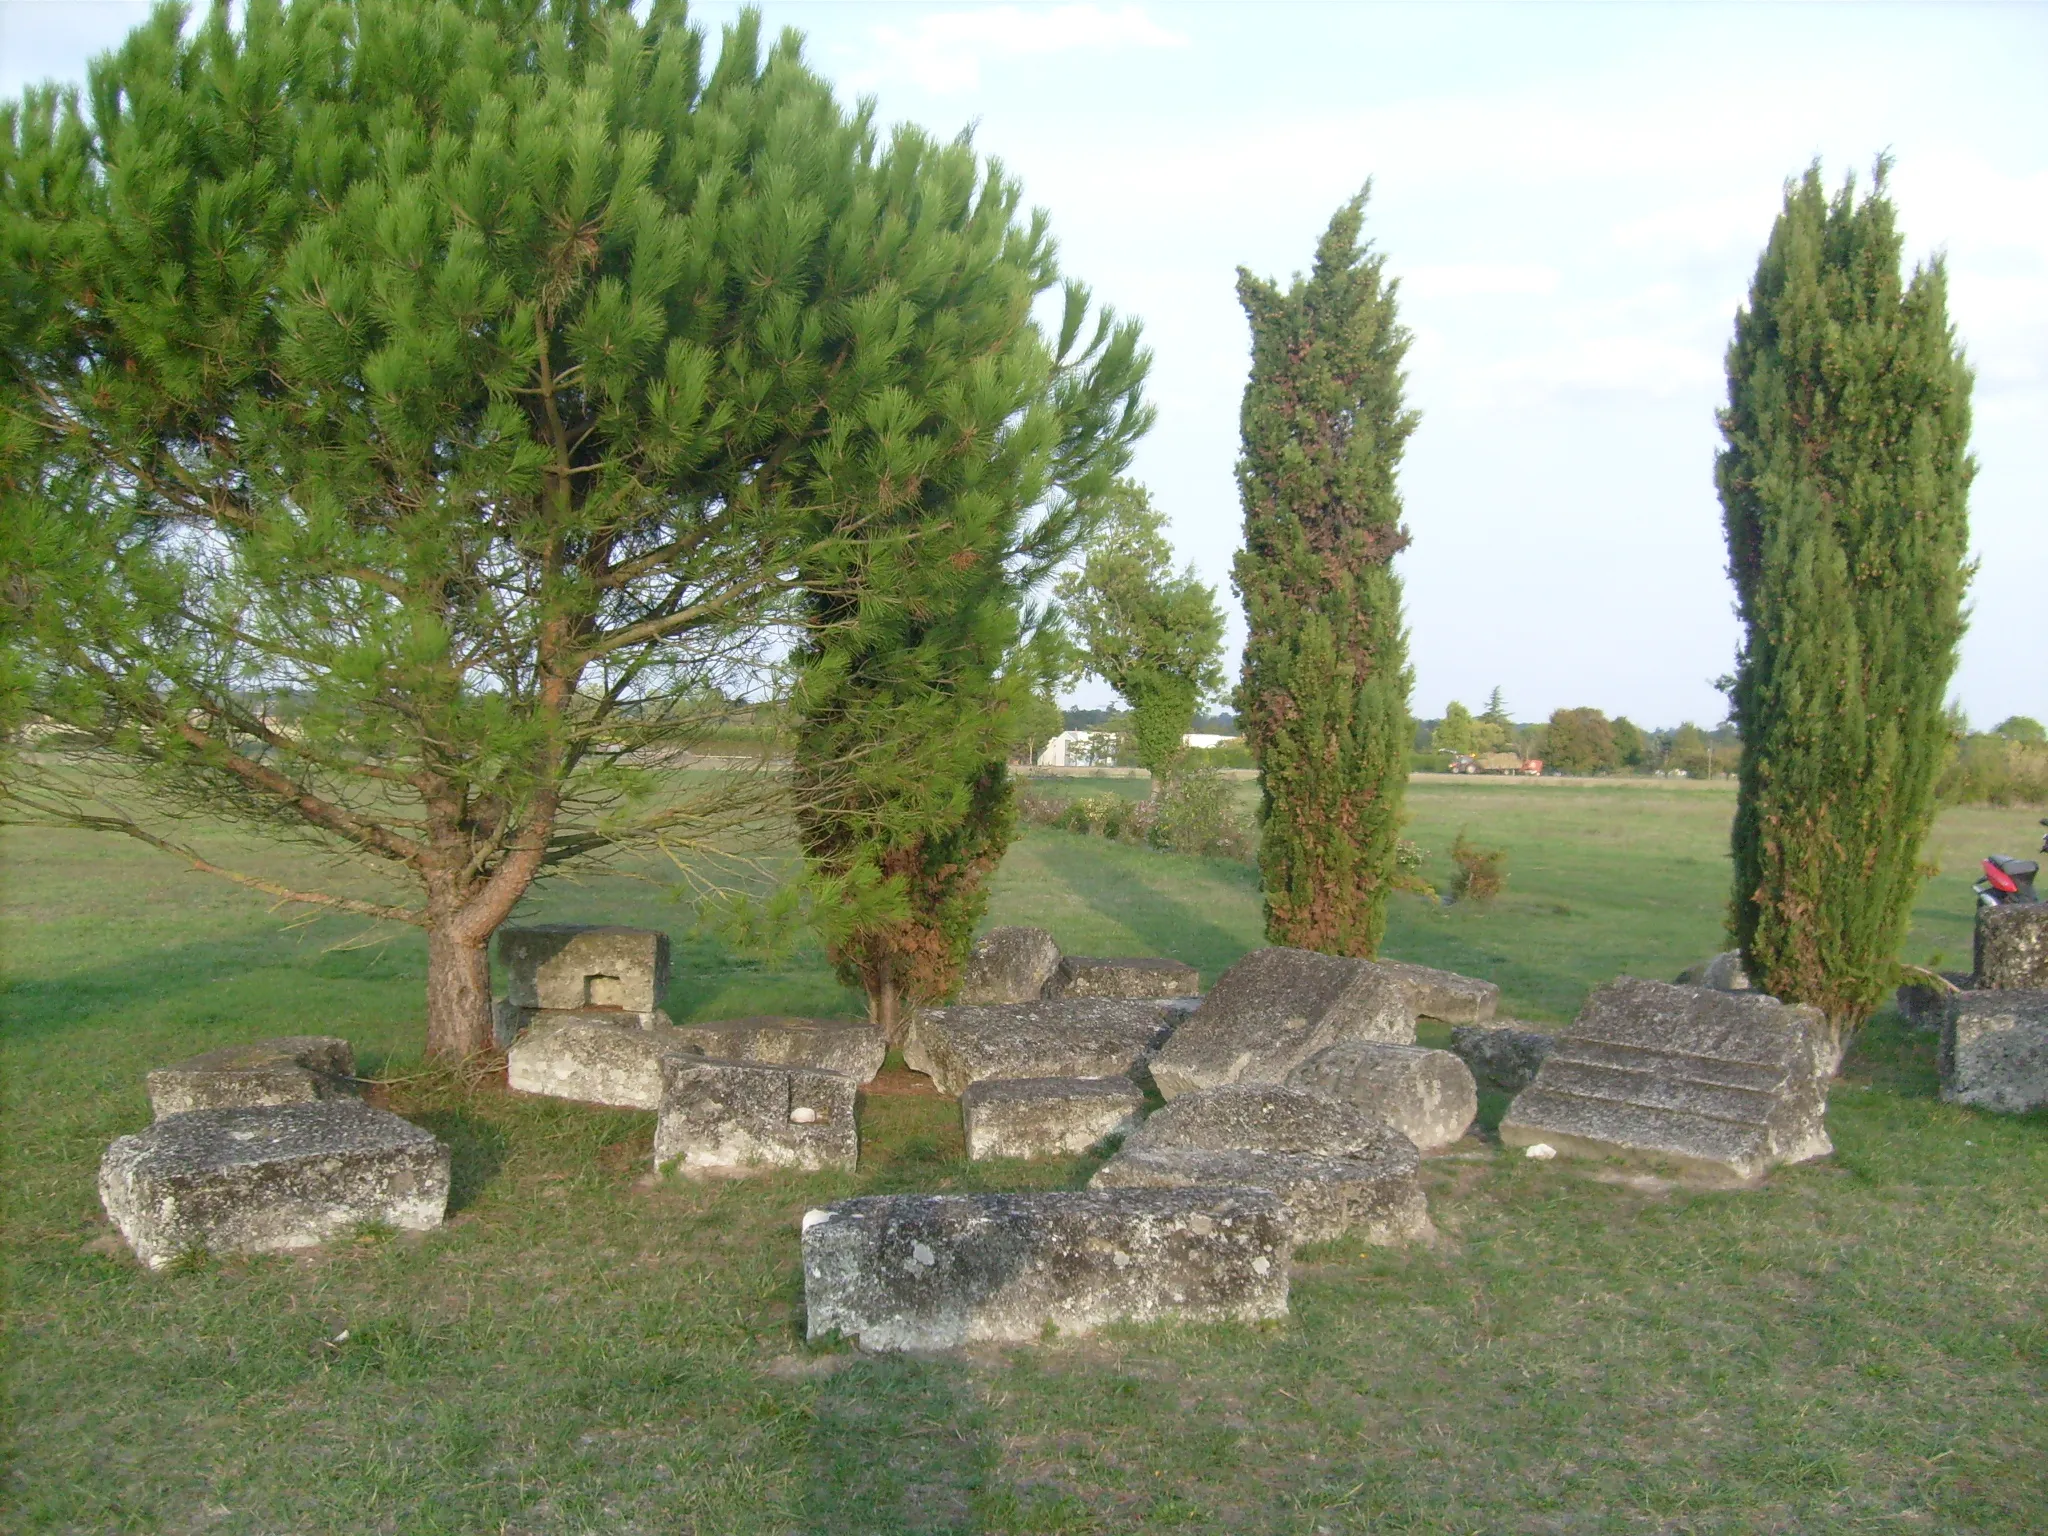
(1047, 1116)
(1994, 1050)
(2012, 946)
(575, 967)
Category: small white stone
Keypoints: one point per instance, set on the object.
(1120, 1259)
(803, 1114)
(813, 1216)
(1200, 1225)
(1542, 1151)
(1262, 1265)
(920, 1254)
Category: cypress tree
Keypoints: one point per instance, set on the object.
(1324, 692)
(1844, 485)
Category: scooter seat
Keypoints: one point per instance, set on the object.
(2020, 869)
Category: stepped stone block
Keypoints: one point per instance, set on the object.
(731, 1114)
(1054, 1037)
(295, 1069)
(1994, 1049)
(1273, 1010)
(1725, 1083)
(770, 1040)
(1503, 1057)
(1444, 996)
(255, 1180)
(2012, 946)
(1092, 976)
(1008, 965)
(1428, 1096)
(576, 966)
(926, 1272)
(1047, 1116)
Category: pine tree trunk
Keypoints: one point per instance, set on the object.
(885, 1003)
(458, 993)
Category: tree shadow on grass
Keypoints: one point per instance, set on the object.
(1166, 926)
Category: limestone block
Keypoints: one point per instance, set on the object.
(1722, 972)
(509, 1021)
(2012, 946)
(591, 1059)
(1444, 996)
(1725, 1083)
(1994, 1049)
(1093, 976)
(1047, 1116)
(1273, 1010)
(1336, 1169)
(733, 1114)
(568, 965)
(1008, 965)
(1503, 1057)
(772, 1040)
(1054, 1037)
(923, 1272)
(294, 1069)
(1428, 1096)
(253, 1180)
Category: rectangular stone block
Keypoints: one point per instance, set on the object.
(509, 1021)
(729, 1114)
(1008, 965)
(1428, 1096)
(295, 1069)
(2011, 948)
(273, 1177)
(576, 966)
(858, 1050)
(1725, 1083)
(1273, 1010)
(1994, 1049)
(1095, 976)
(924, 1272)
(1047, 1116)
(1444, 996)
(1503, 1057)
(592, 1059)
(1055, 1037)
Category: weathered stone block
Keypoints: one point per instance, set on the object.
(1444, 996)
(1093, 976)
(917, 1272)
(858, 1050)
(295, 1069)
(1055, 1037)
(2012, 946)
(1047, 1116)
(1336, 1169)
(575, 966)
(1273, 1010)
(1503, 1057)
(1722, 972)
(272, 1177)
(1726, 1083)
(509, 1021)
(1008, 965)
(1924, 1003)
(1428, 1096)
(589, 1058)
(1994, 1049)
(731, 1114)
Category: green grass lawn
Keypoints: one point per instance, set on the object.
(1862, 1345)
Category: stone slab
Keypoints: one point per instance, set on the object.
(928, 1272)
(1727, 1084)
(1096, 976)
(1994, 1049)
(1047, 1116)
(293, 1069)
(261, 1179)
(1054, 1037)
(591, 1059)
(1008, 965)
(1504, 1056)
(2011, 948)
(1273, 1010)
(858, 1050)
(1428, 1096)
(578, 966)
(509, 1021)
(738, 1115)
(1337, 1169)
(1444, 996)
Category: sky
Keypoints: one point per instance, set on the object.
(1573, 197)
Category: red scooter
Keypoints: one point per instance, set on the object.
(2009, 882)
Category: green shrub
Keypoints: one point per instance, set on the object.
(1482, 872)
(1994, 770)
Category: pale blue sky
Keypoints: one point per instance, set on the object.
(1574, 197)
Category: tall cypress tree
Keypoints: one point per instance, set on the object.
(1324, 693)
(1844, 485)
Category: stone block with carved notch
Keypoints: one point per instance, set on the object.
(582, 967)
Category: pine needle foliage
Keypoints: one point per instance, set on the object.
(1324, 691)
(1844, 484)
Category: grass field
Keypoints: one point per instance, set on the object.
(1860, 1346)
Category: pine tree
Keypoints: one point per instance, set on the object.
(1154, 635)
(1324, 692)
(411, 409)
(1844, 484)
